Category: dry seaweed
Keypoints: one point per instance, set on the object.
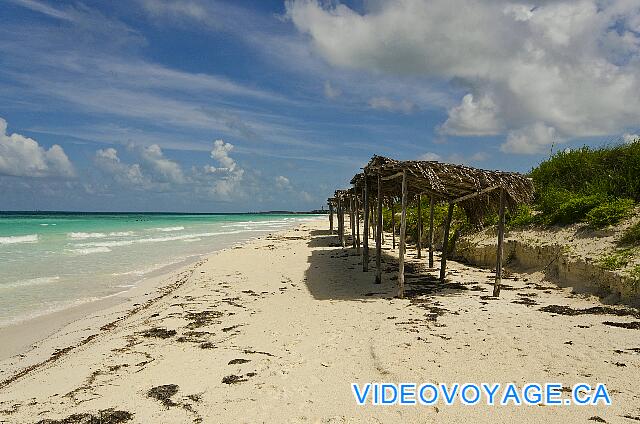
(104, 416)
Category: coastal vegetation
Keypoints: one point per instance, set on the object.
(596, 186)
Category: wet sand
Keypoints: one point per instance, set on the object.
(277, 330)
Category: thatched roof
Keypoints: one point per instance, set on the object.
(447, 182)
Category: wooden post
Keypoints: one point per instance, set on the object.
(379, 233)
(357, 223)
(372, 217)
(419, 243)
(365, 227)
(403, 229)
(445, 242)
(341, 221)
(393, 224)
(382, 226)
(352, 222)
(431, 204)
(330, 217)
(496, 286)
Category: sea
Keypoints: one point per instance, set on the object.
(53, 261)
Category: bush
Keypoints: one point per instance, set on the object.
(631, 236)
(613, 171)
(565, 207)
(521, 217)
(615, 260)
(609, 213)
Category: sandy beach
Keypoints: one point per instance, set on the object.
(277, 330)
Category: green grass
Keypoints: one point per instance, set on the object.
(616, 260)
(631, 236)
(599, 186)
(609, 213)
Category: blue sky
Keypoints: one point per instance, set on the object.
(214, 106)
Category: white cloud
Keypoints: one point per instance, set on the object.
(455, 157)
(165, 169)
(282, 182)
(571, 64)
(230, 173)
(384, 103)
(108, 161)
(531, 139)
(430, 156)
(630, 138)
(473, 117)
(23, 157)
(331, 92)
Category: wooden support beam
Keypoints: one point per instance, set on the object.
(393, 223)
(330, 217)
(365, 227)
(445, 243)
(496, 285)
(419, 241)
(477, 193)
(341, 221)
(379, 234)
(352, 222)
(357, 204)
(391, 177)
(372, 221)
(403, 230)
(431, 205)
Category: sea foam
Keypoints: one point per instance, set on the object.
(30, 238)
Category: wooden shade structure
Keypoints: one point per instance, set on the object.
(476, 191)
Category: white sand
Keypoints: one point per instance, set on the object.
(310, 322)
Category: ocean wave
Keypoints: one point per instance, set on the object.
(30, 282)
(168, 229)
(81, 235)
(121, 234)
(90, 250)
(30, 238)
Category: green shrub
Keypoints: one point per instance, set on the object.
(521, 217)
(613, 171)
(573, 208)
(609, 213)
(631, 235)
(615, 260)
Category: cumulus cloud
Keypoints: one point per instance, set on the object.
(531, 139)
(630, 138)
(230, 174)
(108, 161)
(390, 105)
(165, 169)
(331, 92)
(430, 156)
(455, 157)
(22, 156)
(570, 66)
(282, 182)
(473, 117)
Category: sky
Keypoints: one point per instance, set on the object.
(233, 106)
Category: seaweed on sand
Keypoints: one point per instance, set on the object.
(164, 393)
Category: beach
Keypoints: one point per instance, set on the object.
(277, 329)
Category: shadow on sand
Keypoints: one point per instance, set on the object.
(335, 273)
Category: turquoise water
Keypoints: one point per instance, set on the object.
(49, 262)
